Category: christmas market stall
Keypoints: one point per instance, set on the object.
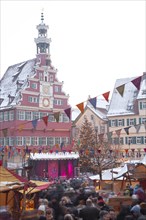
(53, 165)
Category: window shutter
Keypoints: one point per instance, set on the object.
(126, 140)
(127, 121)
(140, 105)
(139, 120)
(142, 140)
(116, 122)
(134, 121)
(109, 123)
(123, 122)
(133, 140)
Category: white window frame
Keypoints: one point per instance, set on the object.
(120, 122)
(21, 115)
(35, 141)
(138, 140)
(28, 140)
(28, 115)
(65, 118)
(36, 115)
(20, 141)
(11, 115)
(58, 102)
(131, 121)
(57, 140)
(6, 116)
(113, 123)
(34, 85)
(44, 141)
(143, 120)
(50, 141)
(11, 141)
(143, 105)
(1, 116)
(32, 99)
(1, 141)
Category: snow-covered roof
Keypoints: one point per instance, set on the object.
(142, 92)
(127, 104)
(121, 105)
(100, 112)
(54, 156)
(111, 173)
(8, 84)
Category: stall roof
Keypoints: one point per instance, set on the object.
(54, 156)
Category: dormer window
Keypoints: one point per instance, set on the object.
(11, 98)
(19, 84)
(1, 100)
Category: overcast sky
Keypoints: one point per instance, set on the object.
(93, 42)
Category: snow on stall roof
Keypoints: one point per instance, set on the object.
(54, 156)
(8, 83)
(119, 105)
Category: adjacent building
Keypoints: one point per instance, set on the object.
(127, 117)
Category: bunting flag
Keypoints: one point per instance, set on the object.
(56, 116)
(106, 96)
(137, 82)
(118, 132)
(5, 132)
(93, 102)
(68, 112)
(126, 150)
(45, 119)
(137, 127)
(21, 127)
(34, 123)
(61, 145)
(81, 107)
(127, 130)
(120, 89)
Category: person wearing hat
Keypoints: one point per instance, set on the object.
(42, 212)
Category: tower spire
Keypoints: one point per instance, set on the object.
(42, 42)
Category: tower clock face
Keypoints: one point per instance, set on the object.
(46, 102)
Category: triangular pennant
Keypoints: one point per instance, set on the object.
(61, 145)
(81, 106)
(5, 132)
(93, 102)
(137, 82)
(118, 132)
(56, 116)
(45, 119)
(127, 130)
(34, 123)
(106, 96)
(68, 112)
(137, 127)
(120, 89)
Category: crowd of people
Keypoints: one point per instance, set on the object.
(84, 205)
